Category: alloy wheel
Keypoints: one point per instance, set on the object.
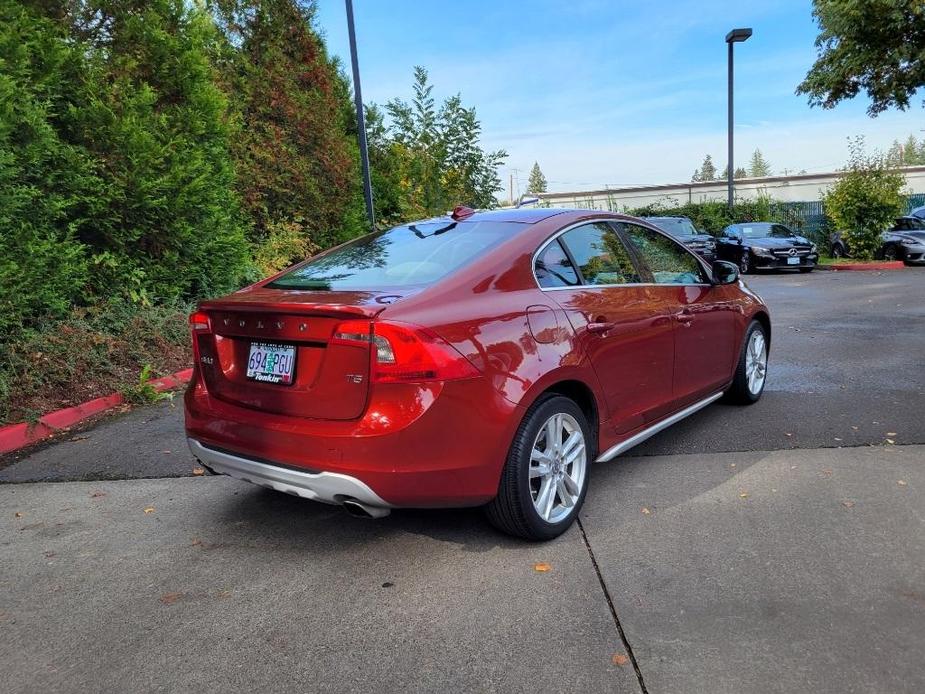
(756, 362)
(558, 464)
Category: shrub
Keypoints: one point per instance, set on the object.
(46, 184)
(865, 201)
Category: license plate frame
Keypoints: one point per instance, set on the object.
(793, 261)
(282, 367)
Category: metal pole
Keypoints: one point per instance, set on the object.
(729, 168)
(361, 119)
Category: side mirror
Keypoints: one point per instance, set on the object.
(724, 273)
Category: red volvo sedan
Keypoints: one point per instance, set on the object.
(479, 358)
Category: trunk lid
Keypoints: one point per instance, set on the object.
(330, 381)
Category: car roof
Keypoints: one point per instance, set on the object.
(528, 215)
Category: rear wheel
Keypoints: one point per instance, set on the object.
(752, 370)
(545, 477)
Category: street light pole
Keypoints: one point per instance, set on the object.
(734, 36)
(361, 119)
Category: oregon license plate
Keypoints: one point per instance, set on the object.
(269, 363)
(793, 261)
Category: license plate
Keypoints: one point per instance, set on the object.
(269, 363)
(793, 261)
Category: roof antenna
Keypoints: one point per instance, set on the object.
(526, 200)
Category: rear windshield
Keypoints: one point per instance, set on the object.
(417, 254)
(676, 226)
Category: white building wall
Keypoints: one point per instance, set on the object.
(800, 188)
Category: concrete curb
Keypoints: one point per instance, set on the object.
(16, 436)
(856, 267)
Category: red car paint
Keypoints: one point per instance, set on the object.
(637, 353)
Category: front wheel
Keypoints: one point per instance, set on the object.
(545, 477)
(752, 369)
(806, 269)
(745, 265)
(889, 254)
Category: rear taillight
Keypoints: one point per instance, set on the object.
(404, 353)
(199, 323)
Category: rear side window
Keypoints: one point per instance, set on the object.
(667, 260)
(600, 254)
(413, 255)
(554, 269)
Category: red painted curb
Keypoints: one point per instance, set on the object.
(16, 436)
(856, 267)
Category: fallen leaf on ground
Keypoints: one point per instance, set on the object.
(901, 483)
(646, 511)
(743, 495)
(837, 439)
(170, 598)
(17, 515)
(196, 542)
(165, 451)
(787, 434)
(891, 433)
(97, 495)
(198, 472)
(149, 509)
(542, 567)
(223, 594)
(732, 464)
(847, 503)
(78, 438)
(619, 659)
(49, 555)
(890, 441)
(827, 472)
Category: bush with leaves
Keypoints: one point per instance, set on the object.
(865, 201)
(48, 186)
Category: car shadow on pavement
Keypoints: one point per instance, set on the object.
(299, 524)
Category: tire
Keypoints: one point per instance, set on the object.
(745, 391)
(889, 254)
(745, 264)
(806, 269)
(838, 251)
(515, 509)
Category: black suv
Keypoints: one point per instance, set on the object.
(754, 245)
(684, 230)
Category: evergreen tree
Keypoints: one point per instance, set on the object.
(296, 154)
(707, 169)
(740, 173)
(911, 152)
(154, 123)
(537, 181)
(758, 167)
(894, 156)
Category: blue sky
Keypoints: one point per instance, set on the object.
(614, 93)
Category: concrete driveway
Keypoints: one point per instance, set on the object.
(725, 556)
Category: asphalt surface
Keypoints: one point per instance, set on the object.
(794, 560)
(814, 580)
(847, 368)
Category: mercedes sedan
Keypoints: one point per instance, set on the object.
(766, 245)
(482, 358)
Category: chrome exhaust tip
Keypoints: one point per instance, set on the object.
(358, 509)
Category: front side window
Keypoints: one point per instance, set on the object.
(412, 255)
(554, 269)
(668, 261)
(600, 254)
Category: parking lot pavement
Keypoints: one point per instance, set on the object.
(811, 581)
(212, 585)
(846, 369)
(767, 572)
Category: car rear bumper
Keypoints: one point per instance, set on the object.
(434, 445)
(326, 487)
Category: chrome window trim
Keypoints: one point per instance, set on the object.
(608, 220)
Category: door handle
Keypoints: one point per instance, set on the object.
(685, 317)
(599, 328)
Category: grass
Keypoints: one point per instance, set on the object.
(845, 261)
(94, 351)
